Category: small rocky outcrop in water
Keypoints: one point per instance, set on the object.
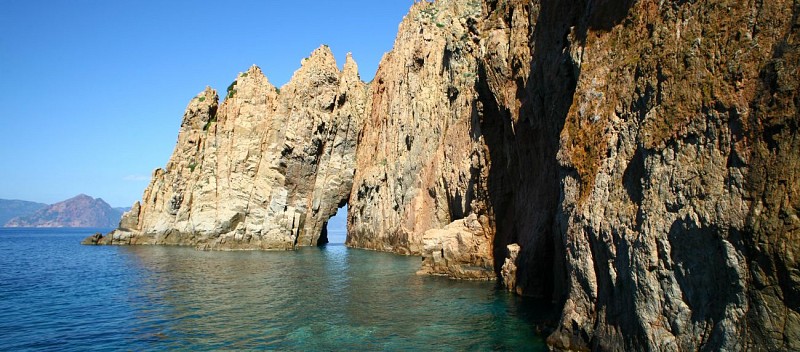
(78, 211)
(635, 162)
(93, 239)
(265, 169)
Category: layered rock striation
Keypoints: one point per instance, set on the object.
(265, 169)
(419, 158)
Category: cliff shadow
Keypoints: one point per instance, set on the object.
(709, 283)
(524, 182)
(770, 236)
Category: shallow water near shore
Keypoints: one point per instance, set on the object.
(58, 295)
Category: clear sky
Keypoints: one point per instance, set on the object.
(92, 91)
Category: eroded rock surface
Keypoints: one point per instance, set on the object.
(641, 156)
(508, 272)
(265, 169)
(420, 157)
(635, 162)
(462, 249)
(652, 154)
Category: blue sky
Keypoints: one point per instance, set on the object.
(92, 92)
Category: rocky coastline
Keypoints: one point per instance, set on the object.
(635, 162)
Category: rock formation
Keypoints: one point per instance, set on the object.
(265, 169)
(93, 239)
(635, 162)
(651, 152)
(78, 211)
(419, 158)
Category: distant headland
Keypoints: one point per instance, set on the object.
(78, 211)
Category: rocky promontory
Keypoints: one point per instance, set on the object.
(634, 162)
(265, 169)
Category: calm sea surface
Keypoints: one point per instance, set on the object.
(60, 296)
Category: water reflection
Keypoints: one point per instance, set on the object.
(327, 298)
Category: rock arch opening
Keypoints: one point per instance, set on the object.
(334, 231)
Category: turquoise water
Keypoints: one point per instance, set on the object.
(58, 295)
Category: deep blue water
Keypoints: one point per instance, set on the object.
(60, 296)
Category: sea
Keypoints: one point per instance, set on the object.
(58, 295)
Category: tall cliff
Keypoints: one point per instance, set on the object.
(635, 162)
(265, 169)
(651, 150)
(419, 159)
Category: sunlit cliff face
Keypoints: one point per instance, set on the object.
(632, 161)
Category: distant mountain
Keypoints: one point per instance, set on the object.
(80, 211)
(12, 208)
